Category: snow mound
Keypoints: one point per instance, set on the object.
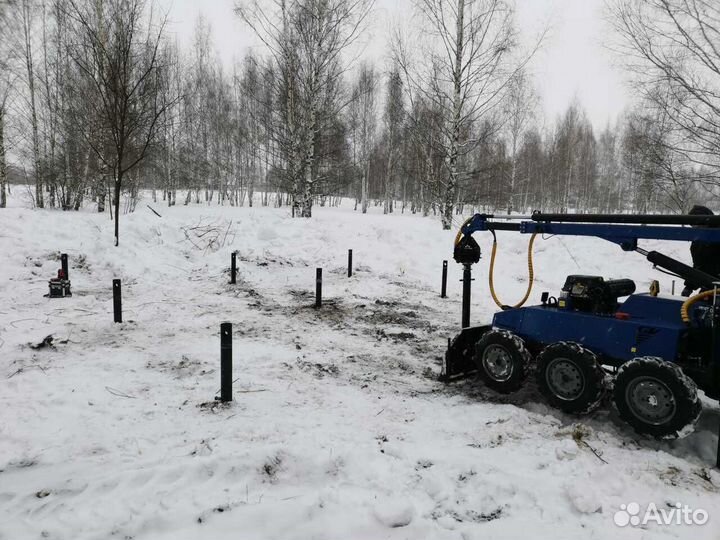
(394, 513)
(566, 450)
(584, 498)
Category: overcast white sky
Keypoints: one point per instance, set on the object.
(572, 63)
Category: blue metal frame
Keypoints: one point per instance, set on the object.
(626, 236)
(652, 327)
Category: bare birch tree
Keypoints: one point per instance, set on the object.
(3, 160)
(5, 86)
(462, 67)
(27, 16)
(520, 108)
(307, 39)
(672, 48)
(4, 94)
(364, 97)
(251, 109)
(118, 53)
(393, 119)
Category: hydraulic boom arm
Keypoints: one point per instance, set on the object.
(624, 230)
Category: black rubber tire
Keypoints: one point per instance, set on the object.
(586, 368)
(684, 393)
(518, 360)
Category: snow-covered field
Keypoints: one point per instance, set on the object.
(339, 428)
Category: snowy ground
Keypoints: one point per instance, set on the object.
(338, 429)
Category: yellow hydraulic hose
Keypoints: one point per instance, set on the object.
(459, 234)
(531, 274)
(684, 311)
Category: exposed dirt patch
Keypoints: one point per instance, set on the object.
(269, 261)
(316, 369)
(185, 367)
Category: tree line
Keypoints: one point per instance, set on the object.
(97, 103)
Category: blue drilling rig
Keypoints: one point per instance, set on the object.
(650, 351)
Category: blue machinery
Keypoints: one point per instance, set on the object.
(649, 351)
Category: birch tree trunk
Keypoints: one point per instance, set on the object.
(39, 198)
(387, 207)
(85, 182)
(309, 184)
(449, 202)
(3, 165)
(364, 188)
(394, 114)
(118, 186)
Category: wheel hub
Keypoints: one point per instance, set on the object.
(497, 362)
(564, 379)
(650, 400)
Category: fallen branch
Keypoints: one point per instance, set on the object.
(118, 393)
(22, 370)
(597, 454)
(209, 236)
(226, 232)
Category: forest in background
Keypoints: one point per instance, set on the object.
(97, 103)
